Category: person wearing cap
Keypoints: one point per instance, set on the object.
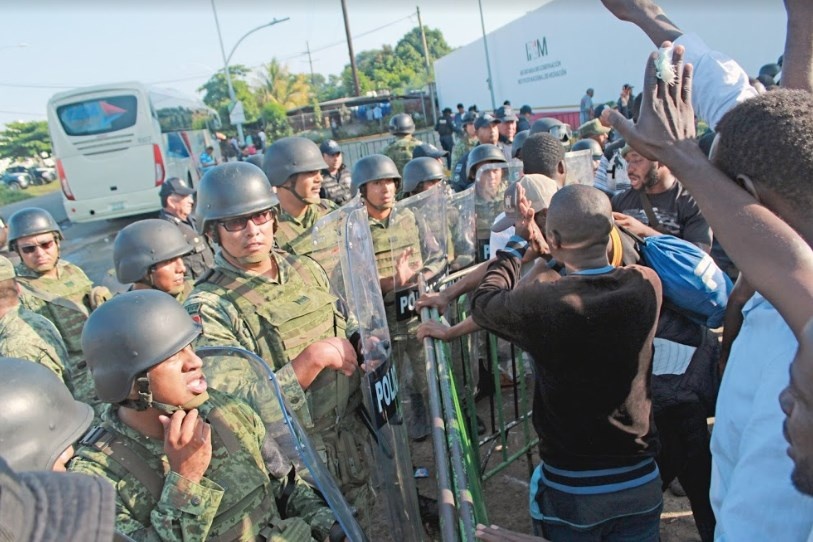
(149, 254)
(445, 129)
(467, 141)
(55, 289)
(336, 176)
(400, 151)
(458, 120)
(656, 203)
(46, 506)
(25, 334)
(279, 306)
(487, 130)
(586, 106)
(624, 101)
(525, 118)
(177, 202)
(207, 159)
(507, 128)
(429, 150)
(188, 462)
(593, 129)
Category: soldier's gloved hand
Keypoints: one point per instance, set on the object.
(187, 443)
(98, 295)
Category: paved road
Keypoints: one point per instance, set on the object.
(88, 245)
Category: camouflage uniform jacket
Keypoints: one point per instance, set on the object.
(336, 187)
(294, 234)
(65, 301)
(237, 499)
(27, 335)
(400, 150)
(462, 148)
(275, 319)
(202, 258)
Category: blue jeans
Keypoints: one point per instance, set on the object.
(637, 528)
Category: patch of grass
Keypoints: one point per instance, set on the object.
(11, 196)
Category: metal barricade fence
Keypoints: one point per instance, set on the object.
(464, 463)
(353, 150)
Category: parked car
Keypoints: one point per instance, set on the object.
(40, 175)
(15, 180)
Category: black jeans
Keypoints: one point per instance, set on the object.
(685, 455)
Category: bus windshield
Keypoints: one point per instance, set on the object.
(99, 115)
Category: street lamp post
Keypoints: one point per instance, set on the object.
(227, 59)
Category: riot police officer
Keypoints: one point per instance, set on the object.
(189, 454)
(559, 129)
(278, 306)
(400, 151)
(56, 289)
(176, 208)
(150, 253)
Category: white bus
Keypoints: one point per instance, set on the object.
(116, 144)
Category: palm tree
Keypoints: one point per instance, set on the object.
(278, 85)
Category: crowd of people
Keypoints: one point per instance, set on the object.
(626, 372)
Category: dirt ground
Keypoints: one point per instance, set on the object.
(506, 495)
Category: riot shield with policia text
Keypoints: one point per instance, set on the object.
(490, 183)
(286, 440)
(380, 383)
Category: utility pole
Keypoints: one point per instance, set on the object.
(310, 63)
(488, 61)
(350, 49)
(429, 79)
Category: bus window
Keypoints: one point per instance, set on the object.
(98, 116)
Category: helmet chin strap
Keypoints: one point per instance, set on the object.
(146, 401)
(292, 190)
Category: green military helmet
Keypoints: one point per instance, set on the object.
(230, 190)
(401, 124)
(143, 244)
(559, 129)
(590, 144)
(30, 221)
(39, 418)
(419, 170)
(519, 140)
(289, 156)
(480, 154)
(256, 159)
(372, 168)
(131, 333)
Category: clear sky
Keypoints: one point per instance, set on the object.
(72, 43)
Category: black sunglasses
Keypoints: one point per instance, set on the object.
(240, 223)
(30, 249)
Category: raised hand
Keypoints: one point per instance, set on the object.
(187, 443)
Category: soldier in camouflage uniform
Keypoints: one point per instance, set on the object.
(278, 306)
(293, 165)
(336, 176)
(41, 421)
(467, 141)
(400, 151)
(399, 260)
(149, 253)
(188, 463)
(56, 289)
(25, 334)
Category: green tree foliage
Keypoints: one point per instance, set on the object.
(216, 93)
(279, 86)
(276, 121)
(20, 140)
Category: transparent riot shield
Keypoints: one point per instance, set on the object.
(461, 219)
(489, 187)
(579, 167)
(380, 383)
(326, 249)
(248, 377)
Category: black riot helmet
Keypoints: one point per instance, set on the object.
(130, 334)
(590, 144)
(480, 154)
(519, 140)
(231, 190)
(401, 124)
(144, 244)
(559, 129)
(30, 221)
(420, 170)
(40, 418)
(373, 168)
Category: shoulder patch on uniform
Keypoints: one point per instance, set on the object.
(193, 309)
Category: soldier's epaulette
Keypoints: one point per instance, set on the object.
(205, 276)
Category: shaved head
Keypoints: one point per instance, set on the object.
(579, 216)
